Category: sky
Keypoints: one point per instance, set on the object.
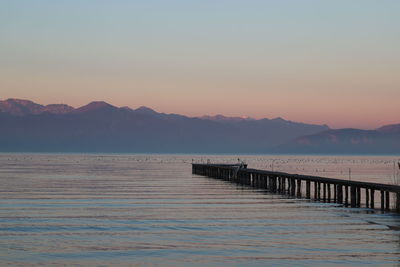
(324, 62)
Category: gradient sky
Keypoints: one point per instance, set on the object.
(334, 62)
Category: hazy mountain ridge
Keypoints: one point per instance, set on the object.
(223, 118)
(384, 140)
(21, 107)
(390, 129)
(101, 127)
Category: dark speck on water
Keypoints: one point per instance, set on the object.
(82, 210)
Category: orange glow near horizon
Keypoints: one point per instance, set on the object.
(369, 115)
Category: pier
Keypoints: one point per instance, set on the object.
(353, 194)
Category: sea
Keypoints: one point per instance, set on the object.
(150, 210)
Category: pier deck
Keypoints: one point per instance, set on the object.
(349, 193)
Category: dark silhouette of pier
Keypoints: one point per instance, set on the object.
(353, 194)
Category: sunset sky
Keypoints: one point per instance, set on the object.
(334, 62)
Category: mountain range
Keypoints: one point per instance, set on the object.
(384, 140)
(26, 126)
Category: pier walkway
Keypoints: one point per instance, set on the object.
(349, 193)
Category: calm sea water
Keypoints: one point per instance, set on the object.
(122, 210)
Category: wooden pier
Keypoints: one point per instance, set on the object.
(353, 194)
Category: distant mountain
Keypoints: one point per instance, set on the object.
(95, 106)
(101, 127)
(57, 108)
(390, 129)
(146, 111)
(384, 140)
(19, 107)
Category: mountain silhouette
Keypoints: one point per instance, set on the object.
(384, 140)
(20, 107)
(100, 127)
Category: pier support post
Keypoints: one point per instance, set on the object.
(298, 188)
(387, 198)
(308, 189)
(262, 181)
(339, 194)
(367, 197)
(372, 191)
(319, 190)
(280, 184)
(358, 196)
(353, 196)
(293, 181)
(329, 192)
(335, 193)
(315, 190)
(274, 178)
(382, 200)
(398, 201)
(284, 185)
(269, 182)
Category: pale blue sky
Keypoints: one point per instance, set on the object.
(334, 62)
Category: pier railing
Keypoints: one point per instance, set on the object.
(349, 193)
